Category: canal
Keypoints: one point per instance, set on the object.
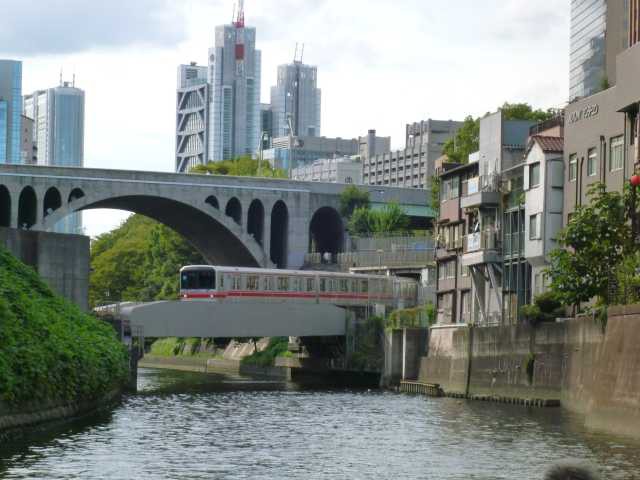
(194, 426)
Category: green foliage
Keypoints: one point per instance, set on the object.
(390, 220)
(596, 240)
(244, 166)
(627, 281)
(604, 83)
(351, 199)
(50, 351)
(422, 316)
(138, 261)
(434, 193)
(524, 111)
(278, 346)
(546, 307)
(465, 142)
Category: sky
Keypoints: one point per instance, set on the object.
(381, 63)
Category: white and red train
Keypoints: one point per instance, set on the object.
(345, 289)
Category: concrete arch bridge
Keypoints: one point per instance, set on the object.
(230, 220)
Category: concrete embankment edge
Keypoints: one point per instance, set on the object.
(213, 365)
(577, 364)
(15, 424)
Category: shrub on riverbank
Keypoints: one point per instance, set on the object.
(278, 346)
(50, 351)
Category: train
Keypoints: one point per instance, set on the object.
(237, 284)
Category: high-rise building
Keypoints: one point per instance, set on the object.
(58, 133)
(28, 150)
(192, 117)
(296, 98)
(234, 75)
(10, 111)
(599, 31)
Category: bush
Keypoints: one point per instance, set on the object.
(546, 307)
(423, 316)
(50, 351)
(278, 346)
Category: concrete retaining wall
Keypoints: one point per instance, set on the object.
(573, 363)
(62, 261)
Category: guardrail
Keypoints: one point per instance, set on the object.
(488, 239)
(481, 183)
(386, 259)
(389, 243)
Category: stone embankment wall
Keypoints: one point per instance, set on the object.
(16, 422)
(62, 261)
(573, 363)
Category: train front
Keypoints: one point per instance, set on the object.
(198, 282)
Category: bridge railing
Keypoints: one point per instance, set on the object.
(399, 258)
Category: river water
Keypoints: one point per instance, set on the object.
(195, 426)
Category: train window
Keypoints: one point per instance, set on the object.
(252, 282)
(354, 286)
(344, 287)
(235, 282)
(323, 284)
(295, 284)
(310, 284)
(364, 286)
(334, 285)
(221, 286)
(198, 280)
(283, 284)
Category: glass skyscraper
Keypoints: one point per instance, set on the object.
(58, 115)
(587, 61)
(297, 96)
(10, 111)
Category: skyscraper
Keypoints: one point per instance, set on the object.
(599, 31)
(58, 133)
(234, 76)
(296, 96)
(10, 111)
(192, 117)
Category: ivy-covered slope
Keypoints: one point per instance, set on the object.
(50, 351)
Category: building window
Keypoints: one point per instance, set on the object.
(534, 233)
(573, 167)
(592, 162)
(616, 158)
(534, 175)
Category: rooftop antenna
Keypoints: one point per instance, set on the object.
(73, 82)
(295, 54)
(239, 23)
(60, 76)
(302, 53)
(233, 15)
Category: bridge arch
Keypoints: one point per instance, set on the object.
(213, 202)
(279, 234)
(234, 210)
(27, 208)
(255, 221)
(326, 231)
(76, 194)
(5, 207)
(217, 238)
(52, 201)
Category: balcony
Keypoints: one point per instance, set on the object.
(482, 247)
(481, 191)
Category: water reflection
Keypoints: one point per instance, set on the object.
(185, 425)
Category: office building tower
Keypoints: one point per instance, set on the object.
(10, 111)
(58, 134)
(266, 124)
(599, 31)
(234, 76)
(296, 99)
(192, 117)
(28, 150)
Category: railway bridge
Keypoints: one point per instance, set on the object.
(239, 221)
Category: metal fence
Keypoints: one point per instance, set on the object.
(389, 243)
(398, 258)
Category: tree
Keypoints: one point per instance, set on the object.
(353, 198)
(244, 166)
(524, 111)
(465, 142)
(390, 220)
(595, 241)
(434, 193)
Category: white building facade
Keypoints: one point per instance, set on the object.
(346, 170)
(192, 117)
